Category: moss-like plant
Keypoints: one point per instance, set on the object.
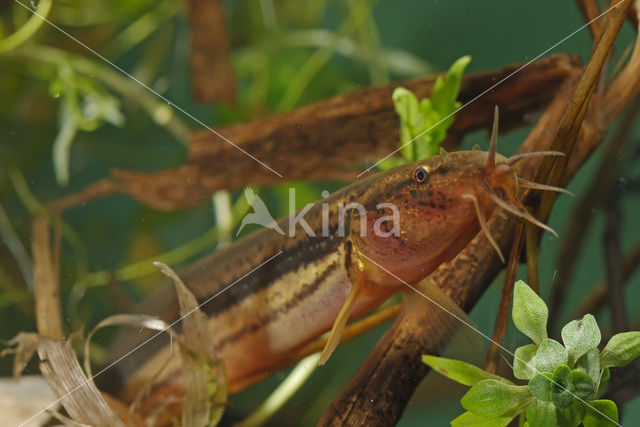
(565, 380)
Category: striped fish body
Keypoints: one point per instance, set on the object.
(259, 316)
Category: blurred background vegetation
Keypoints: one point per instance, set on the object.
(67, 117)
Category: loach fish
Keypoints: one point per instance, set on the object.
(283, 286)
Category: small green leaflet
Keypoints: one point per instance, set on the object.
(424, 123)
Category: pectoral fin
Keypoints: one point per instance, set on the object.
(340, 323)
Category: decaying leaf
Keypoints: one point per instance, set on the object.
(136, 320)
(139, 321)
(59, 365)
(204, 375)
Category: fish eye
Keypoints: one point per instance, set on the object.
(420, 174)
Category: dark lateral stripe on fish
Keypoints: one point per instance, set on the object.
(299, 256)
(306, 290)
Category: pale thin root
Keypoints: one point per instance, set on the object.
(536, 186)
(483, 224)
(340, 323)
(493, 145)
(520, 213)
(517, 157)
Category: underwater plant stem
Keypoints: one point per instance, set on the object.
(552, 169)
(16, 248)
(502, 318)
(13, 293)
(34, 207)
(309, 69)
(397, 61)
(29, 28)
(101, 188)
(172, 257)
(161, 113)
(314, 64)
(281, 395)
(142, 28)
(368, 34)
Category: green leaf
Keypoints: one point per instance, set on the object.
(590, 363)
(550, 354)
(411, 121)
(461, 372)
(530, 313)
(522, 368)
(600, 413)
(563, 390)
(572, 415)
(445, 91)
(620, 350)
(492, 398)
(580, 336)
(424, 124)
(583, 385)
(474, 420)
(541, 386)
(390, 163)
(541, 414)
(604, 380)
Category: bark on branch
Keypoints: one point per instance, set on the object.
(331, 139)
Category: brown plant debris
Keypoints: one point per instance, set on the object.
(213, 76)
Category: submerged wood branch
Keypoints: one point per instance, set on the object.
(330, 139)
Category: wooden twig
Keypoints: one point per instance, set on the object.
(103, 187)
(590, 10)
(331, 139)
(552, 170)
(502, 318)
(582, 213)
(47, 288)
(213, 77)
(622, 90)
(571, 121)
